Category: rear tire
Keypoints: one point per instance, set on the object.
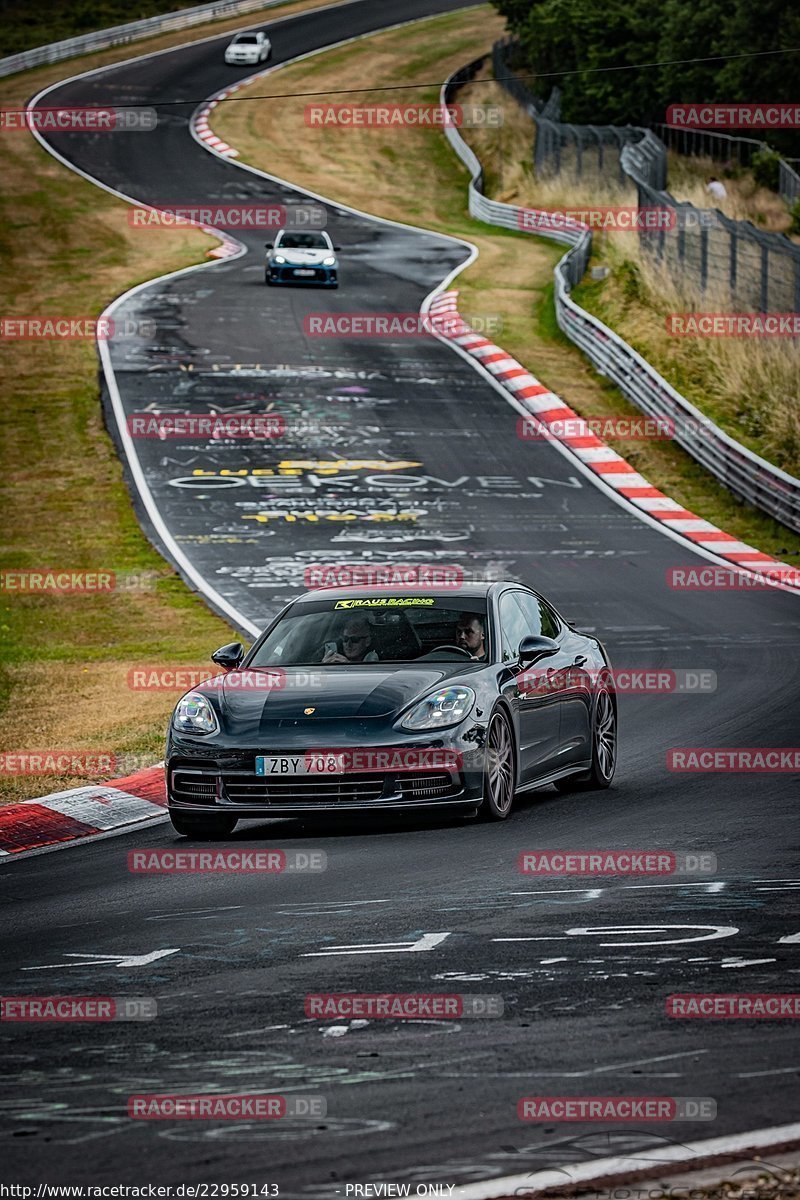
(500, 771)
(604, 749)
(204, 828)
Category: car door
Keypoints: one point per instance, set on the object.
(566, 674)
(536, 708)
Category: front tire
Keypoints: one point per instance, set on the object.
(500, 772)
(204, 828)
(604, 749)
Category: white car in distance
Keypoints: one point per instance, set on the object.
(248, 48)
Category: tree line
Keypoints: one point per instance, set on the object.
(591, 39)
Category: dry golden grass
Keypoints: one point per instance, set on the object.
(746, 200)
(66, 249)
(750, 386)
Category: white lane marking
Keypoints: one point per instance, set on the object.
(789, 939)
(624, 1168)
(711, 887)
(760, 1074)
(717, 931)
(589, 893)
(248, 1032)
(193, 912)
(108, 960)
(744, 962)
(428, 941)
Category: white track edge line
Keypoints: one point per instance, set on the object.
(664, 1156)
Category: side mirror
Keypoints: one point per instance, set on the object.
(269, 245)
(228, 657)
(337, 247)
(532, 648)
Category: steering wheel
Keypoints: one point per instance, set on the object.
(452, 649)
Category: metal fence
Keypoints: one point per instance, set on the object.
(739, 469)
(729, 148)
(701, 248)
(120, 35)
(561, 148)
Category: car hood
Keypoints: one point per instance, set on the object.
(332, 692)
(303, 258)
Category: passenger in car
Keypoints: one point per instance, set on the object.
(357, 645)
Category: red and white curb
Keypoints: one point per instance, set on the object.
(82, 812)
(203, 130)
(593, 452)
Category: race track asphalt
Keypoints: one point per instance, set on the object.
(418, 1101)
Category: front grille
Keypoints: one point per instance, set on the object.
(332, 789)
(425, 787)
(286, 274)
(194, 788)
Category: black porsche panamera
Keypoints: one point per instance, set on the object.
(375, 699)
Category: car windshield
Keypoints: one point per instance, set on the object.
(302, 241)
(378, 629)
(245, 39)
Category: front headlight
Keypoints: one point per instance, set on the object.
(194, 714)
(446, 707)
(279, 258)
(329, 262)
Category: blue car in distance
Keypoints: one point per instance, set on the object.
(304, 258)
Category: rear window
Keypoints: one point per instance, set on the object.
(396, 629)
(246, 39)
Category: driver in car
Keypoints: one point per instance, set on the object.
(357, 644)
(471, 635)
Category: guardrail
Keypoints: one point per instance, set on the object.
(120, 35)
(739, 469)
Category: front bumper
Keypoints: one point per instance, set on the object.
(285, 273)
(227, 782)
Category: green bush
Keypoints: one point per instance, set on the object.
(765, 165)
(794, 213)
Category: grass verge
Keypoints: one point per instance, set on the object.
(749, 386)
(66, 249)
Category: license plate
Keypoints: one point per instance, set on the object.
(303, 271)
(276, 766)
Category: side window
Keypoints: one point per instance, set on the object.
(539, 617)
(551, 626)
(513, 626)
